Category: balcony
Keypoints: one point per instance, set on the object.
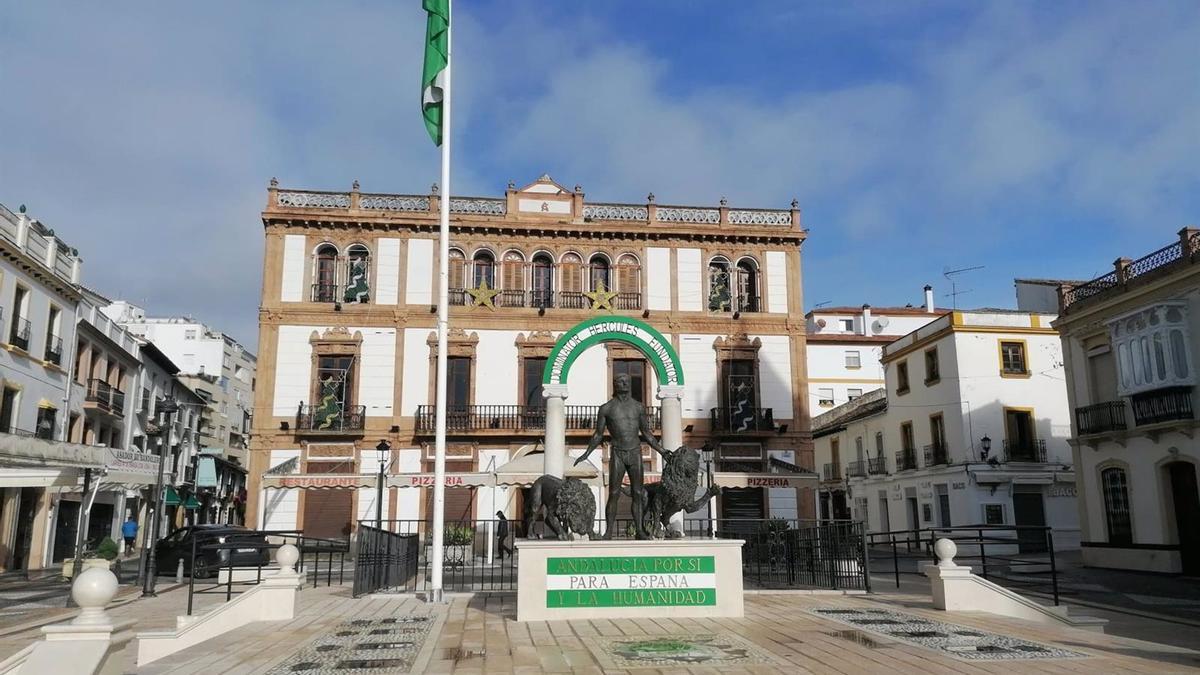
(514, 419)
(1025, 451)
(906, 460)
(325, 293)
(349, 422)
(54, 350)
(936, 455)
(877, 466)
(105, 398)
(538, 299)
(747, 420)
(857, 468)
(1162, 405)
(19, 337)
(1100, 417)
(831, 471)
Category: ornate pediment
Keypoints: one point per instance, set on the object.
(544, 197)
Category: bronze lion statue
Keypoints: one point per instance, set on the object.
(568, 506)
(675, 492)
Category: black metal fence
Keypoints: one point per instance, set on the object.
(1013, 556)
(778, 553)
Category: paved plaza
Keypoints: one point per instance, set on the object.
(781, 633)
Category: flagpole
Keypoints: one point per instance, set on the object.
(443, 322)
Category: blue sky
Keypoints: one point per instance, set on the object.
(1036, 139)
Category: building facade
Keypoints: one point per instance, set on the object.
(970, 429)
(348, 344)
(845, 345)
(1129, 344)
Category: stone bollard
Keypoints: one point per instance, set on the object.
(179, 572)
(91, 642)
(287, 556)
(92, 591)
(945, 550)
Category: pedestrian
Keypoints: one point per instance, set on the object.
(129, 532)
(502, 535)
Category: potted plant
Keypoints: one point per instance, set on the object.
(457, 542)
(102, 556)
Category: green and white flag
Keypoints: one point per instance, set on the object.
(433, 75)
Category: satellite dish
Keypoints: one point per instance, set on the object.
(882, 322)
(821, 323)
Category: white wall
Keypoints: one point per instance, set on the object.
(782, 501)
(587, 381)
(408, 500)
(496, 367)
(419, 280)
(700, 374)
(293, 369)
(658, 278)
(691, 279)
(414, 387)
(292, 281)
(775, 375)
(777, 290)
(387, 270)
(280, 506)
(377, 371)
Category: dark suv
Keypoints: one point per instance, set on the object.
(213, 549)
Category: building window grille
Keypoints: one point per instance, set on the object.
(1114, 484)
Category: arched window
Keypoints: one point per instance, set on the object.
(484, 270)
(324, 288)
(358, 274)
(629, 282)
(542, 277)
(513, 276)
(458, 277)
(572, 281)
(747, 285)
(719, 292)
(599, 273)
(1115, 487)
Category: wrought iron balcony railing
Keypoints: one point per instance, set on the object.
(877, 465)
(831, 471)
(1101, 417)
(1025, 451)
(857, 468)
(906, 460)
(742, 419)
(54, 349)
(19, 336)
(537, 299)
(105, 397)
(514, 418)
(1162, 405)
(326, 293)
(349, 421)
(936, 455)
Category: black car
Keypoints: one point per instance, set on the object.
(213, 546)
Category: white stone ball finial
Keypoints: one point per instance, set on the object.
(92, 591)
(286, 556)
(945, 550)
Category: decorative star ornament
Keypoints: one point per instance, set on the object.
(483, 295)
(601, 298)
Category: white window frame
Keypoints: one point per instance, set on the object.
(853, 358)
(1142, 342)
(846, 325)
(821, 399)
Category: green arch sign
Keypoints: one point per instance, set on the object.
(638, 334)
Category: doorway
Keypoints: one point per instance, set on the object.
(1187, 510)
(943, 495)
(885, 519)
(1029, 511)
(26, 512)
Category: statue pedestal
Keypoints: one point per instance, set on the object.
(559, 580)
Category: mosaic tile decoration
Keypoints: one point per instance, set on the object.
(665, 651)
(959, 641)
(362, 647)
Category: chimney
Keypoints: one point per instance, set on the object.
(866, 319)
(22, 228)
(929, 298)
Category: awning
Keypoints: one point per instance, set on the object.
(343, 481)
(735, 479)
(39, 452)
(171, 498)
(206, 472)
(525, 469)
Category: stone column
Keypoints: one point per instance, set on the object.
(671, 398)
(556, 428)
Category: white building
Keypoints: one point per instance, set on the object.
(914, 456)
(208, 360)
(845, 345)
(1129, 340)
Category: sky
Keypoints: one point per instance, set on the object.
(1033, 139)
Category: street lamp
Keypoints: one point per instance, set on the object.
(385, 454)
(986, 444)
(168, 407)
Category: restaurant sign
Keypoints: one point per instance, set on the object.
(132, 461)
(631, 581)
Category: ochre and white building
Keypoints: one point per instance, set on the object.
(1130, 348)
(971, 428)
(348, 346)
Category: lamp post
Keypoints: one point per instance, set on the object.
(385, 454)
(986, 444)
(168, 408)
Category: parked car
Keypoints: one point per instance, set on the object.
(211, 551)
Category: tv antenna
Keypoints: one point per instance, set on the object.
(821, 304)
(954, 292)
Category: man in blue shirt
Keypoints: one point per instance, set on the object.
(129, 532)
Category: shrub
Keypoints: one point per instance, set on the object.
(107, 549)
(774, 525)
(459, 535)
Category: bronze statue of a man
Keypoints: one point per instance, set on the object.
(625, 419)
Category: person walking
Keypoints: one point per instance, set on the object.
(129, 531)
(502, 535)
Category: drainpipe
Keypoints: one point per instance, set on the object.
(74, 356)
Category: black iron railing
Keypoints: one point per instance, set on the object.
(54, 349)
(1101, 417)
(106, 397)
(857, 468)
(877, 465)
(936, 455)
(350, 420)
(831, 471)
(469, 418)
(906, 460)
(325, 293)
(741, 419)
(1162, 405)
(385, 560)
(1025, 451)
(19, 336)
